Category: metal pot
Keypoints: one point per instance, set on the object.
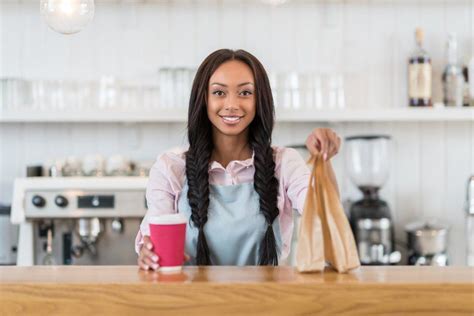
(427, 238)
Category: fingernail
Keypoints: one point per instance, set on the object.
(154, 266)
(325, 156)
(155, 258)
(146, 267)
(148, 246)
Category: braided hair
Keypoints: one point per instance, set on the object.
(201, 145)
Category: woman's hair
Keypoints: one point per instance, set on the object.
(201, 145)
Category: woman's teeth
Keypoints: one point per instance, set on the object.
(231, 119)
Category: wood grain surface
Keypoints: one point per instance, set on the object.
(119, 290)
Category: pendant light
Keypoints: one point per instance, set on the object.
(67, 16)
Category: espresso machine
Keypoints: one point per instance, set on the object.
(78, 220)
(367, 162)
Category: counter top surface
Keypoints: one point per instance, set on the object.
(107, 290)
(251, 274)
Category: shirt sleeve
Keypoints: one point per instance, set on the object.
(162, 189)
(296, 175)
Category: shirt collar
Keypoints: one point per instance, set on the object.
(244, 163)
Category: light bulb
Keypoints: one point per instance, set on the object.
(67, 16)
(274, 2)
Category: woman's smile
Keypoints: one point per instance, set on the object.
(231, 119)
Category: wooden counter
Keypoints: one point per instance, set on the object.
(99, 290)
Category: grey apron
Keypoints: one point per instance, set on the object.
(235, 226)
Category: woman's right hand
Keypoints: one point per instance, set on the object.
(147, 259)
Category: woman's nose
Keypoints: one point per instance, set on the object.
(231, 103)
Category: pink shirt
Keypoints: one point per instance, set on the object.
(167, 177)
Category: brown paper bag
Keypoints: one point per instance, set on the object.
(325, 233)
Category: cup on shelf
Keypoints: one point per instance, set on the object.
(151, 97)
(166, 87)
(117, 165)
(14, 94)
(142, 168)
(293, 81)
(306, 91)
(170, 89)
(93, 166)
(175, 86)
(57, 95)
(317, 92)
(272, 78)
(341, 96)
(107, 93)
(72, 167)
(284, 92)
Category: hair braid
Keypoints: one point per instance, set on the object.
(198, 196)
(266, 185)
(197, 166)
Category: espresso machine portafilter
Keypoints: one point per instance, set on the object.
(88, 230)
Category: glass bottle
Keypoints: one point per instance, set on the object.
(470, 76)
(465, 93)
(453, 79)
(419, 74)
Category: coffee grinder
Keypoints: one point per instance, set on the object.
(367, 162)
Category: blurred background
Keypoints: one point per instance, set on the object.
(107, 100)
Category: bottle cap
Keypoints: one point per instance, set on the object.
(419, 35)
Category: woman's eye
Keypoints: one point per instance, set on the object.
(218, 93)
(246, 93)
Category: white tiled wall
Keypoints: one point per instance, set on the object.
(367, 41)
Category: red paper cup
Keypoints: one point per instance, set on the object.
(167, 234)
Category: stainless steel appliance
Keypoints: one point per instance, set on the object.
(367, 162)
(427, 243)
(9, 237)
(90, 220)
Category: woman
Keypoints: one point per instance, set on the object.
(237, 190)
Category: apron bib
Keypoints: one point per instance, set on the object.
(235, 226)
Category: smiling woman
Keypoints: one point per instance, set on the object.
(237, 191)
(232, 102)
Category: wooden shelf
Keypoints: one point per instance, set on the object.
(282, 115)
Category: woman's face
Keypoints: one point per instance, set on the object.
(231, 98)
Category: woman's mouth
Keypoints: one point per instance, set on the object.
(231, 120)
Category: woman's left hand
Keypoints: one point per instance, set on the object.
(324, 141)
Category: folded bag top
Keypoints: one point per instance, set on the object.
(325, 234)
